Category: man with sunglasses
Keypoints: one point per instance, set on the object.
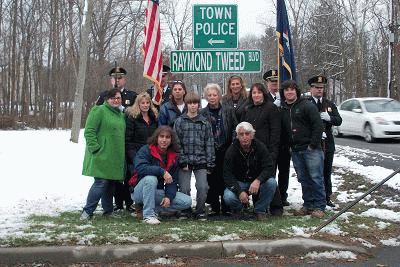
(118, 80)
(165, 77)
(330, 116)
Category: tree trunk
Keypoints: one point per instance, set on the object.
(80, 82)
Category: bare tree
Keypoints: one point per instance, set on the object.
(80, 83)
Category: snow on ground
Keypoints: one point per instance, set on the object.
(214, 238)
(393, 242)
(382, 214)
(163, 261)
(374, 173)
(332, 255)
(365, 243)
(41, 174)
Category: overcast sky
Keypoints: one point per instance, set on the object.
(251, 13)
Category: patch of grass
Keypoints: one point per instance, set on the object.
(67, 229)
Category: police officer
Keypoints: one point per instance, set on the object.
(330, 116)
(165, 77)
(270, 78)
(271, 81)
(118, 80)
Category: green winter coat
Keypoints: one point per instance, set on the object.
(105, 143)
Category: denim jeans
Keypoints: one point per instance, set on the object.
(146, 193)
(309, 166)
(265, 195)
(201, 186)
(101, 189)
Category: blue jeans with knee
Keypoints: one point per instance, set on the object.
(309, 166)
(265, 195)
(146, 193)
(101, 189)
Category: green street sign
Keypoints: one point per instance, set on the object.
(196, 61)
(215, 26)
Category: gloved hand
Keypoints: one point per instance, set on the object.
(277, 102)
(325, 116)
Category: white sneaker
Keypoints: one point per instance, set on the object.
(151, 220)
(84, 216)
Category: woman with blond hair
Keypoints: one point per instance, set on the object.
(141, 122)
(236, 96)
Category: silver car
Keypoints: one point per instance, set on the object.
(369, 117)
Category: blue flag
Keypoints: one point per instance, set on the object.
(286, 63)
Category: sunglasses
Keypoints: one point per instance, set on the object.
(177, 81)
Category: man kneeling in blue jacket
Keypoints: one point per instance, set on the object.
(248, 170)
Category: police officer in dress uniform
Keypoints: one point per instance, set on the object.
(330, 116)
(283, 160)
(165, 77)
(271, 81)
(118, 76)
(118, 80)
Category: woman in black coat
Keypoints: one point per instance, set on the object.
(265, 118)
(221, 119)
(141, 122)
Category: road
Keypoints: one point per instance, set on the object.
(384, 153)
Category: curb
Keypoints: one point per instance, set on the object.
(140, 252)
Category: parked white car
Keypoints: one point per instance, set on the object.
(370, 117)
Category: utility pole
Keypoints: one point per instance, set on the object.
(392, 89)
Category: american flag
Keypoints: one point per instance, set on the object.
(286, 63)
(152, 48)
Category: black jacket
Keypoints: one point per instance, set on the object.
(270, 98)
(303, 125)
(239, 167)
(336, 120)
(228, 120)
(266, 120)
(165, 97)
(128, 97)
(137, 132)
(236, 111)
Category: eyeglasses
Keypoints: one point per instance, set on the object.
(115, 98)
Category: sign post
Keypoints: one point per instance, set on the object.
(215, 26)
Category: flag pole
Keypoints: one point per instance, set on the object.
(372, 189)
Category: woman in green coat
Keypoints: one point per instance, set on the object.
(105, 152)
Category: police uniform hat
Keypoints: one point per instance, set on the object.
(319, 81)
(165, 69)
(271, 75)
(117, 71)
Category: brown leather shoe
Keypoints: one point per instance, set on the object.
(302, 212)
(261, 217)
(139, 211)
(318, 214)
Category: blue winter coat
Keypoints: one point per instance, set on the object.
(148, 162)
